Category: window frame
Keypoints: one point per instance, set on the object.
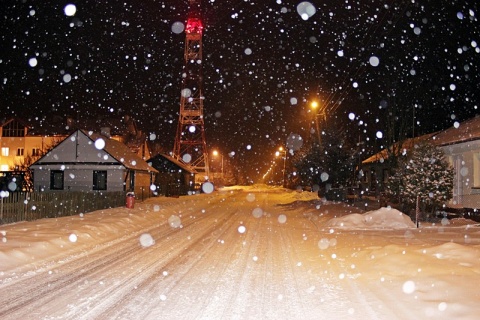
(100, 180)
(5, 151)
(53, 180)
(36, 152)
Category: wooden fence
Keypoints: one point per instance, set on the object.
(27, 206)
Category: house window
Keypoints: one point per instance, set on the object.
(476, 170)
(386, 175)
(20, 152)
(56, 180)
(5, 151)
(35, 152)
(365, 176)
(99, 180)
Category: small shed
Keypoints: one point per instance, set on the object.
(86, 161)
(174, 177)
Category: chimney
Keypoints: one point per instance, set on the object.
(105, 131)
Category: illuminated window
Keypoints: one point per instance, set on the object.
(5, 151)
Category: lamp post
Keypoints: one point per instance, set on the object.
(314, 106)
(283, 151)
(216, 154)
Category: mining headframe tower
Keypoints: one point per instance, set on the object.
(190, 144)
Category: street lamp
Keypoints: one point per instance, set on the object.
(216, 154)
(314, 106)
(283, 151)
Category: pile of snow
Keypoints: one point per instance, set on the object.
(243, 233)
(383, 218)
(287, 195)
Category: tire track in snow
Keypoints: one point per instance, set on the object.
(213, 296)
(26, 300)
(183, 265)
(272, 279)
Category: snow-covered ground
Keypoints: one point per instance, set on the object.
(239, 253)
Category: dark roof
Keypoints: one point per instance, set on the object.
(167, 163)
(121, 153)
(61, 125)
(4, 122)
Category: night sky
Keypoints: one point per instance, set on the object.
(263, 64)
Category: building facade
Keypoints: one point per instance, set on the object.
(21, 145)
(461, 146)
(86, 161)
(17, 144)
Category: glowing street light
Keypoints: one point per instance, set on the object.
(314, 105)
(216, 154)
(282, 151)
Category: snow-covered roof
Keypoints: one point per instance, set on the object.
(398, 147)
(121, 153)
(79, 145)
(171, 159)
(465, 131)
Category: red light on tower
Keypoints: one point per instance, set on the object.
(194, 25)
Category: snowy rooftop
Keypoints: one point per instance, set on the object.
(461, 132)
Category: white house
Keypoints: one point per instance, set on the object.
(461, 145)
(86, 161)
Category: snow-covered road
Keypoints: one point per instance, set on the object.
(251, 253)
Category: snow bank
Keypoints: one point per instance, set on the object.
(23, 243)
(383, 218)
(271, 269)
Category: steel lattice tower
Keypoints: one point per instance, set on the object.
(190, 143)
